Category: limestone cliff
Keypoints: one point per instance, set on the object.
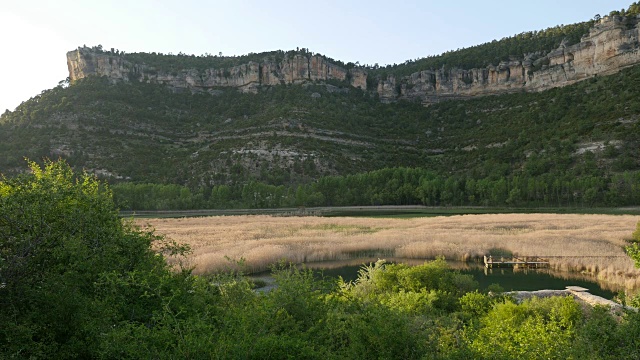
(295, 69)
(611, 45)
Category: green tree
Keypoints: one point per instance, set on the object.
(70, 269)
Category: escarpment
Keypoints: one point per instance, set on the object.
(611, 45)
(295, 69)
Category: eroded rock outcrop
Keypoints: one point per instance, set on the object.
(611, 45)
(247, 77)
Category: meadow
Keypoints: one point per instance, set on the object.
(585, 243)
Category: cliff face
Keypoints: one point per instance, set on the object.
(297, 69)
(610, 46)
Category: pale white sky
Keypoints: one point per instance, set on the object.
(36, 34)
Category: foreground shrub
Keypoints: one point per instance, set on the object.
(535, 329)
(70, 269)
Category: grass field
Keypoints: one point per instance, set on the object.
(588, 243)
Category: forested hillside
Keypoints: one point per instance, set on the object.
(289, 135)
(572, 146)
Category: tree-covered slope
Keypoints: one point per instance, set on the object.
(146, 133)
(287, 134)
(296, 134)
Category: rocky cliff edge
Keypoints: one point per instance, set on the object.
(295, 69)
(612, 44)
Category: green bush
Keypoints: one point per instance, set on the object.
(633, 250)
(536, 329)
(70, 269)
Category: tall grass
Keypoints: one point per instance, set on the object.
(590, 244)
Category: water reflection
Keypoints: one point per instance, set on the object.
(508, 279)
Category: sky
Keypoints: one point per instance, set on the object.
(35, 35)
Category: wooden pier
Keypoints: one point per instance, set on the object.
(491, 262)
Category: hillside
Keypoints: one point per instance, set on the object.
(148, 131)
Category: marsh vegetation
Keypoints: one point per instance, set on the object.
(589, 244)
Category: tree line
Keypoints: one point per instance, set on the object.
(392, 186)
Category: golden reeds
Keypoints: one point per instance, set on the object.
(263, 240)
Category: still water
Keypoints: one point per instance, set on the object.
(508, 279)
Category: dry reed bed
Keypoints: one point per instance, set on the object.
(265, 240)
